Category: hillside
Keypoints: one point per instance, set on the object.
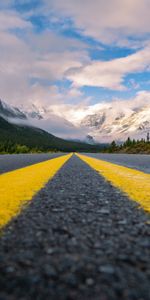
(34, 138)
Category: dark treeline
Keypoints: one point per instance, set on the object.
(130, 146)
(10, 148)
(24, 139)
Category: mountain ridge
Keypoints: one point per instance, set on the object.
(118, 125)
(103, 122)
(37, 139)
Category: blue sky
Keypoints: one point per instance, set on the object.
(57, 52)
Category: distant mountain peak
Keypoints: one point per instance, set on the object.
(106, 124)
(8, 111)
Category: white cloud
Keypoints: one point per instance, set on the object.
(110, 74)
(75, 113)
(12, 20)
(30, 63)
(49, 41)
(49, 57)
(60, 127)
(107, 21)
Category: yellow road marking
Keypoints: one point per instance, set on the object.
(18, 187)
(135, 184)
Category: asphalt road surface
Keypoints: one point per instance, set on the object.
(136, 161)
(78, 239)
(15, 161)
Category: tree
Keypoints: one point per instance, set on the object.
(128, 142)
(113, 147)
(22, 149)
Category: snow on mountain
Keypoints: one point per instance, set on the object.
(102, 122)
(118, 123)
(22, 112)
(8, 111)
(43, 118)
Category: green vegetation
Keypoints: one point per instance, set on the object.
(24, 139)
(131, 146)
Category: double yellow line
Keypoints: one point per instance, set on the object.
(18, 187)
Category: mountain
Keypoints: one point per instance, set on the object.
(8, 111)
(90, 140)
(11, 134)
(44, 118)
(102, 122)
(33, 112)
(118, 123)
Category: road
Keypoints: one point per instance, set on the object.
(79, 238)
(15, 161)
(135, 161)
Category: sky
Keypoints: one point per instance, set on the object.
(66, 54)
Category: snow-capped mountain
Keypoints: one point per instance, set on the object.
(43, 118)
(22, 113)
(8, 111)
(118, 123)
(102, 122)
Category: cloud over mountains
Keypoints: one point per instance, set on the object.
(70, 53)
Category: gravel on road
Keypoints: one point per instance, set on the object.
(79, 239)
